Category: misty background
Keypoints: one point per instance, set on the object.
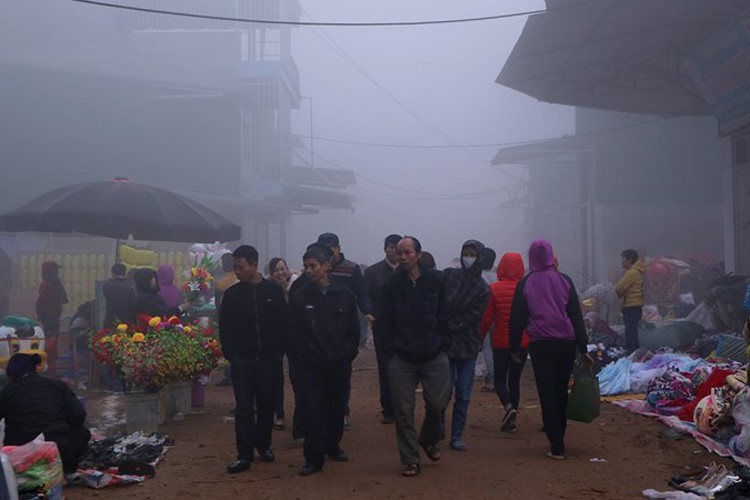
(408, 86)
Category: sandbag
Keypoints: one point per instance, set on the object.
(583, 401)
(674, 334)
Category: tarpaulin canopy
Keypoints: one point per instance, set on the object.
(617, 55)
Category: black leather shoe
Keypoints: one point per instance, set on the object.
(266, 455)
(308, 469)
(338, 456)
(238, 466)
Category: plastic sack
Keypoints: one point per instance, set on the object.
(583, 402)
(37, 466)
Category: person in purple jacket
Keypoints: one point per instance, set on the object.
(546, 305)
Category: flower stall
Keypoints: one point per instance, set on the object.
(151, 354)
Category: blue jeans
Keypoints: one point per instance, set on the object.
(462, 380)
(631, 316)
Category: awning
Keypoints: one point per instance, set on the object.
(564, 150)
(617, 55)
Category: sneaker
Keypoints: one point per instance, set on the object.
(513, 428)
(509, 420)
(347, 423)
(238, 466)
(458, 445)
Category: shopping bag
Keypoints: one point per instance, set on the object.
(583, 401)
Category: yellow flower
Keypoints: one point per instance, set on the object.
(194, 271)
(122, 327)
(154, 321)
(138, 337)
(104, 340)
(187, 329)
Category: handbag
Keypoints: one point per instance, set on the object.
(583, 401)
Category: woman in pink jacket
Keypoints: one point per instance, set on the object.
(497, 317)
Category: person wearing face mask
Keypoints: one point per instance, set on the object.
(465, 296)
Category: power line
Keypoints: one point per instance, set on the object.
(318, 23)
(349, 59)
(479, 145)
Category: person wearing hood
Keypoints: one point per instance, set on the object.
(51, 298)
(32, 404)
(546, 305)
(167, 289)
(465, 296)
(497, 320)
(630, 291)
(147, 299)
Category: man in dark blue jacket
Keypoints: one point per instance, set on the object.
(414, 348)
(324, 335)
(252, 330)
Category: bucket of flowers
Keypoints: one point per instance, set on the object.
(153, 353)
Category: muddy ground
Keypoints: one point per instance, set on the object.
(497, 464)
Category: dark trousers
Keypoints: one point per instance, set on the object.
(72, 446)
(50, 323)
(386, 403)
(323, 391)
(297, 428)
(508, 376)
(278, 399)
(253, 382)
(552, 361)
(631, 316)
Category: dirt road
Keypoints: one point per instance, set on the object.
(497, 465)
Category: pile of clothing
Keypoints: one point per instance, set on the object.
(121, 460)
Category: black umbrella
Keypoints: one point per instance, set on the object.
(118, 209)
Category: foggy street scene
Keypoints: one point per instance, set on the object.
(324, 249)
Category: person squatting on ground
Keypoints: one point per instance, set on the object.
(279, 273)
(630, 291)
(414, 349)
(253, 334)
(497, 320)
(348, 273)
(376, 276)
(32, 404)
(546, 305)
(465, 296)
(51, 298)
(324, 339)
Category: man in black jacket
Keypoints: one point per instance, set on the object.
(414, 348)
(119, 296)
(252, 330)
(376, 276)
(324, 331)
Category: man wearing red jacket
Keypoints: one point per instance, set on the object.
(507, 372)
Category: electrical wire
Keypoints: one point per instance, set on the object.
(327, 23)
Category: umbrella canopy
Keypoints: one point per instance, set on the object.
(118, 209)
(618, 55)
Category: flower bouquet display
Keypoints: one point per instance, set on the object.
(154, 352)
(197, 288)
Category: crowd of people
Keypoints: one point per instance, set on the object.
(428, 328)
